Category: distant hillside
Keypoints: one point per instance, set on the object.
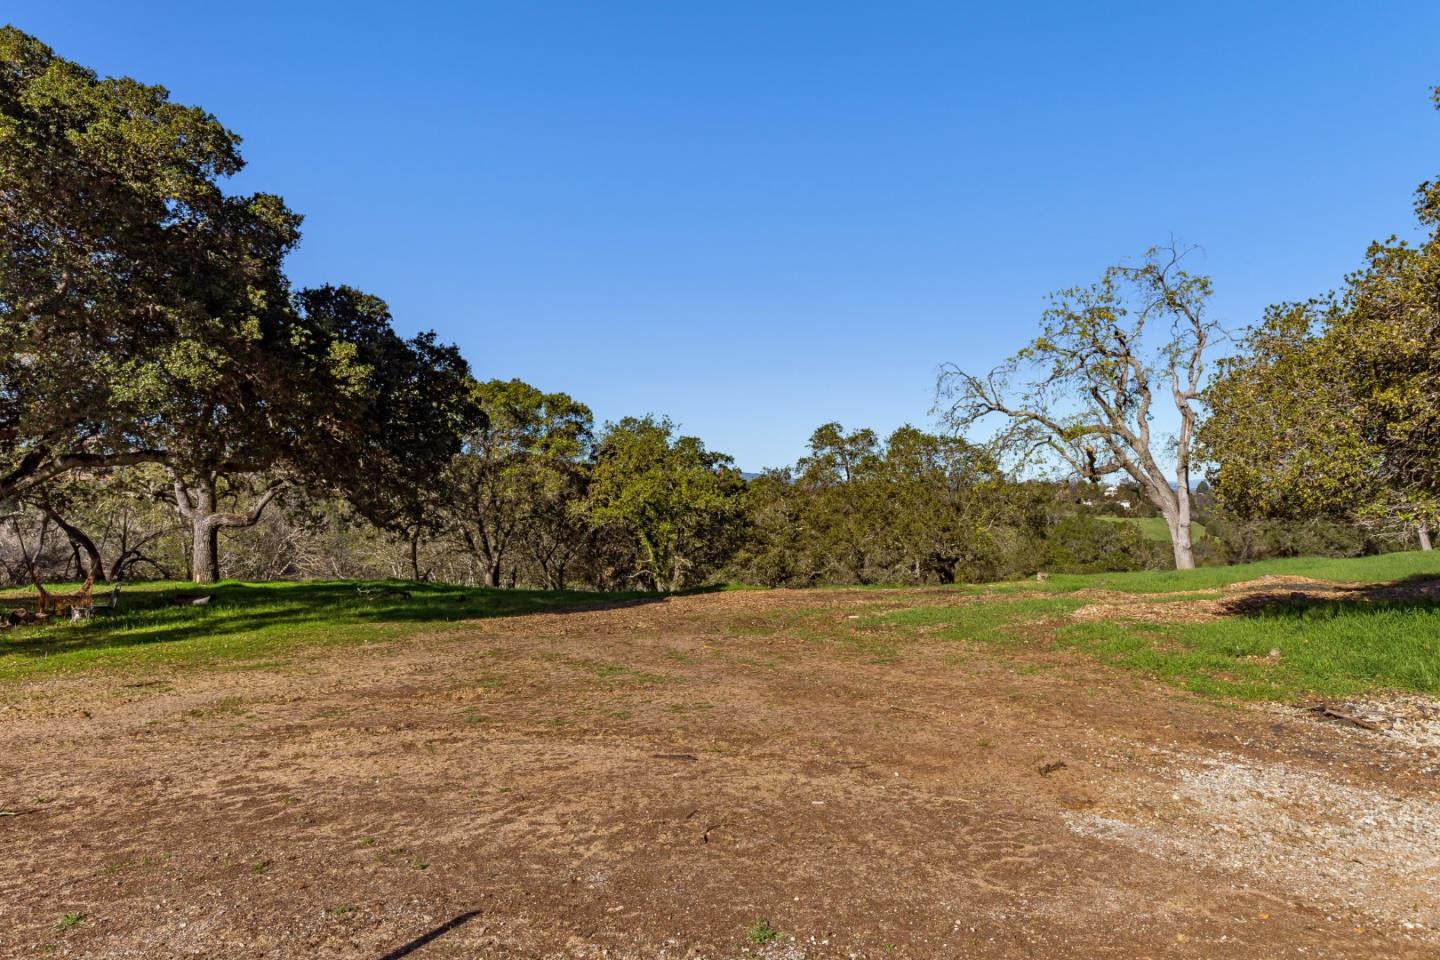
(1154, 528)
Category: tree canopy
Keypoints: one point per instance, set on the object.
(1333, 406)
(1088, 384)
(148, 318)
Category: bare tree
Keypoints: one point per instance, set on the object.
(1084, 391)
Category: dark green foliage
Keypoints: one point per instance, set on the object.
(914, 508)
(1333, 406)
(1240, 540)
(147, 319)
(677, 506)
(1083, 544)
(120, 254)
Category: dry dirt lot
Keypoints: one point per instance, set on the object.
(654, 780)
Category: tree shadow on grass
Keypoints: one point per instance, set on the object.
(1309, 599)
(259, 615)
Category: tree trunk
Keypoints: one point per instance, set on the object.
(1177, 517)
(204, 551)
(1424, 531)
(198, 504)
(1179, 523)
(415, 555)
(492, 574)
(1184, 551)
(80, 543)
(204, 535)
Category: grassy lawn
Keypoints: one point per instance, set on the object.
(247, 623)
(1328, 648)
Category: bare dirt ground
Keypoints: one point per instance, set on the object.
(650, 781)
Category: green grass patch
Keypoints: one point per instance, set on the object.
(259, 623)
(1327, 648)
(1321, 647)
(760, 932)
(1155, 528)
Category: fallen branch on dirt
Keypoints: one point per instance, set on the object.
(687, 757)
(1335, 713)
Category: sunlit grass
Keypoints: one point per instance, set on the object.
(249, 623)
(1290, 649)
(1378, 569)
(1326, 648)
(1155, 528)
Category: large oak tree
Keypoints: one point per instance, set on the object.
(1085, 391)
(145, 317)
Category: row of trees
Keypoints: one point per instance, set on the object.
(164, 386)
(152, 346)
(534, 497)
(531, 496)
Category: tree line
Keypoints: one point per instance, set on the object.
(171, 404)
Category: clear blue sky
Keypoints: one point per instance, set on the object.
(758, 217)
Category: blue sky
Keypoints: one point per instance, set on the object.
(758, 217)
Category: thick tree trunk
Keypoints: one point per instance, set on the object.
(1177, 517)
(1424, 531)
(1184, 550)
(205, 552)
(492, 574)
(198, 507)
(198, 503)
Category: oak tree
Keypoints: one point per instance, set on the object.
(1085, 391)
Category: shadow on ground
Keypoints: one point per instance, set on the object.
(440, 931)
(148, 613)
(1310, 599)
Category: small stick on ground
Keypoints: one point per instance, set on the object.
(1329, 710)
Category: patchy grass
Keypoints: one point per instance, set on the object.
(1329, 648)
(1325, 647)
(1379, 569)
(257, 624)
(996, 621)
